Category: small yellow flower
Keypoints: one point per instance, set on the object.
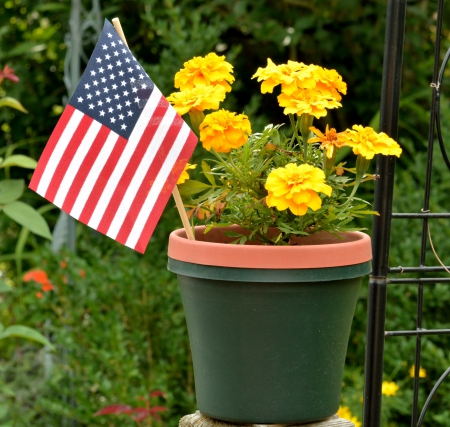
(304, 88)
(224, 130)
(344, 412)
(296, 187)
(291, 75)
(199, 98)
(389, 388)
(422, 372)
(210, 70)
(366, 142)
(309, 101)
(330, 141)
(184, 175)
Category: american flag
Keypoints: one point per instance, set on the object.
(118, 149)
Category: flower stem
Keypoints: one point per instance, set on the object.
(305, 123)
(197, 118)
(295, 135)
(362, 164)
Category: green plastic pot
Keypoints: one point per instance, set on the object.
(268, 344)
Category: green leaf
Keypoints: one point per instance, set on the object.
(7, 101)
(5, 288)
(192, 186)
(20, 331)
(28, 217)
(207, 172)
(19, 160)
(11, 190)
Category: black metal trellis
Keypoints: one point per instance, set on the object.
(377, 296)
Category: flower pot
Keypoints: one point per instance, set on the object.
(269, 325)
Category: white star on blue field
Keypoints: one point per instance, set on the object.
(114, 87)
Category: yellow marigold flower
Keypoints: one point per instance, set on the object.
(210, 70)
(291, 75)
(224, 130)
(366, 142)
(422, 372)
(389, 388)
(344, 412)
(307, 101)
(184, 175)
(330, 142)
(296, 187)
(199, 98)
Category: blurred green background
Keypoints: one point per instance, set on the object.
(115, 316)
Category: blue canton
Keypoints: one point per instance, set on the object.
(114, 87)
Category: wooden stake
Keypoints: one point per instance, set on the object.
(176, 192)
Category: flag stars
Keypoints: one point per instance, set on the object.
(125, 93)
(127, 103)
(130, 70)
(97, 92)
(123, 127)
(120, 42)
(110, 110)
(119, 63)
(103, 80)
(113, 44)
(109, 35)
(144, 86)
(132, 80)
(107, 56)
(91, 106)
(127, 60)
(100, 103)
(105, 89)
(121, 116)
(101, 69)
(95, 82)
(80, 99)
(108, 99)
(137, 66)
(136, 99)
(89, 96)
(130, 113)
(114, 86)
(87, 86)
(110, 67)
(141, 76)
(113, 120)
(121, 73)
(123, 83)
(93, 73)
(119, 107)
(99, 60)
(116, 96)
(116, 53)
(124, 51)
(135, 89)
(112, 76)
(104, 47)
(102, 113)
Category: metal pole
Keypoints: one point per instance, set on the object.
(376, 310)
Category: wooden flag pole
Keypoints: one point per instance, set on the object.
(175, 193)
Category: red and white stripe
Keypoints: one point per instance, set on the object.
(116, 186)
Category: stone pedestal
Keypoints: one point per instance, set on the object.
(200, 420)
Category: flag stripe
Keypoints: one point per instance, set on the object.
(57, 151)
(51, 144)
(76, 162)
(139, 163)
(113, 181)
(85, 169)
(129, 210)
(159, 188)
(100, 183)
(163, 197)
(66, 156)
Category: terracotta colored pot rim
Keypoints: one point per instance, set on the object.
(315, 251)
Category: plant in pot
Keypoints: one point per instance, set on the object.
(270, 283)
